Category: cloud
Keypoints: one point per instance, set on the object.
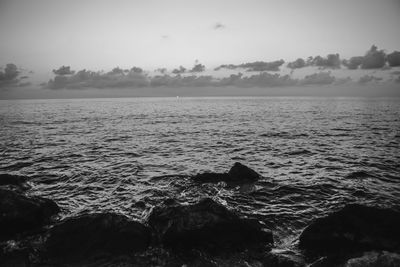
(255, 66)
(179, 70)
(368, 78)
(393, 59)
(161, 70)
(9, 75)
(297, 64)
(353, 63)
(116, 78)
(266, 79)
(330, 61)
(319, 78)
(64, 70)
(164, 37)
(198, 67)
(218, 26)
(373, 59)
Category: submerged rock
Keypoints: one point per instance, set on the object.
(355, 228)
(206, 225)
(85, 236)
(19, 213)
(237, 174)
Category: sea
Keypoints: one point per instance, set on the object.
(128, 155)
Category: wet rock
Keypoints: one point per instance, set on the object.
(277, 260)
(237, 174)
(206, 225)
(355, 228)
(19, 213)
(375, 259)
(14, 253)
(12, 181)
(78, 238)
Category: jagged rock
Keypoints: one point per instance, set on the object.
(354, 228)
(206, 225)
(239, 173)
(19, 213)
(76, 239)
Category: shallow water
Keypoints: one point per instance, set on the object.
(127, 155)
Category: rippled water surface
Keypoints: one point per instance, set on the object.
(127, 155)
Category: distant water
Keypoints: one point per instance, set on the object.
(127, 155)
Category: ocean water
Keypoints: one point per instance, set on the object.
(128, 155)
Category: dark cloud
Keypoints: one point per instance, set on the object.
(393, 59)
(297, 64)
(353, 63)
(161, 70)
(319, 78)
(198, 67)
(369, 78)
(373, 59)
(9, 75)
(218, 25)
(117, 78)
(255, 66)
(330, 61)
(179, 70)
(64, 70)
(180, 81)
(266, 79)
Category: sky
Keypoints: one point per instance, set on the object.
(41, 35)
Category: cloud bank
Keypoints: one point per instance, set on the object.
(255, 66)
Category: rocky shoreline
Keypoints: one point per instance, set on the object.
(205, 233)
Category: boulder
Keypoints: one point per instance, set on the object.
(239, 173)
(85, 236)
(206, 225)
(354, 228)
(19, 213)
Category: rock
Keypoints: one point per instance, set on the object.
(271, 259)
(239, 173)
(206, 225)
(375, 259)
(14, 181)
(85, 236)
(19, 213)
(355, 228)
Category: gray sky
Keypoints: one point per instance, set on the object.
(100, 34)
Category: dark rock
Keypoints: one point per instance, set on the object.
(14, 181)
(355, 228)
(374, 258)
(206, 225)
(78, 238)
(19, 213)
(277, 260)
(239, 173)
